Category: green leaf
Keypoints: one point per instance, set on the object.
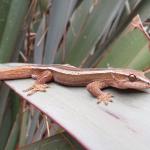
(4, 10)
(60, 13)
(23, 128)
(94, 125)
(144, 10)
(12, 28)
(130, 49)
(13, 137)
(39, 43)
(88, 24)
(60, 142)
(3, 101)
(33, 126)
(5, 127)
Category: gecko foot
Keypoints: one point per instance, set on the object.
(35, 88)
(105, 98)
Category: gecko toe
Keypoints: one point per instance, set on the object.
(35, 88)
(105, 98)
(29, 89)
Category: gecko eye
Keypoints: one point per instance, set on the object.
(132, 77)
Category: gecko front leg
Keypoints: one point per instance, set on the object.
(40, 84)
(95, 89)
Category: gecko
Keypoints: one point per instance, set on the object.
(94, 79)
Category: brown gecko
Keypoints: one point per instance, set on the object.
(94, 79)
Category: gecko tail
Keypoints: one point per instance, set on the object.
(15, 72)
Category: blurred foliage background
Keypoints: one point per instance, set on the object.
(85, 33)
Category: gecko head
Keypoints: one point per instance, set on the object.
(131, 79)
(136, 80)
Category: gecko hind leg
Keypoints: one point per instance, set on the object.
(40, 85)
